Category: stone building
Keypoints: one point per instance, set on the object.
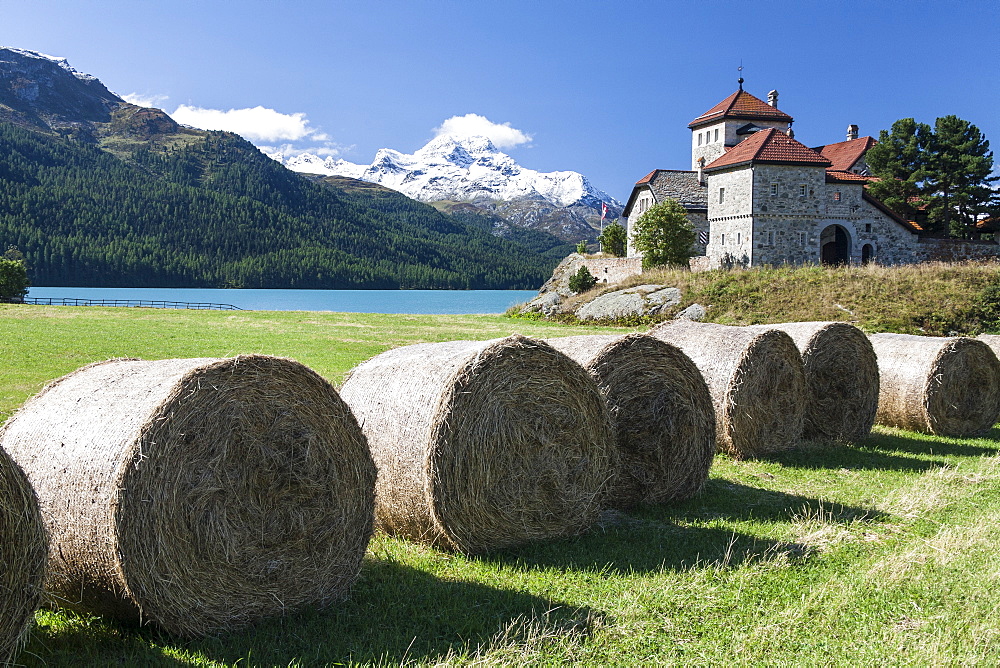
(756, 196)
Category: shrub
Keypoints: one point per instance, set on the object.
(664, 235)
(582, 280)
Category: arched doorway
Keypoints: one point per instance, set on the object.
(835, 245)
(867, 253)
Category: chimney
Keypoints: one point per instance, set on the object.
(701, 173)
(852, 132)
(772, 98)
(790, 132)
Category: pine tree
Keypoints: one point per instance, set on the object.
(613, 239)
(945, 171)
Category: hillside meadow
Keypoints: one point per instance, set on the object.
(876, 552)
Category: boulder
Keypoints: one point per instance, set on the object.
(641, 300)
(694, 312)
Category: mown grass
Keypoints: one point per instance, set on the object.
(878, 552)
(931, 298)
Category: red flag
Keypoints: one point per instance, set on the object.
(604, 211)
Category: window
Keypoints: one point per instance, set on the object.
(770, 238)
(802, 238)
(868, 227)
(774, 188)
(836, 196)
(722, 195)
(723, 239)
(716, 134)
(738, 239)
(802, 190)
(699, 139)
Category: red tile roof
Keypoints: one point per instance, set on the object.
(844, 154)
(769, 145)
(838, 176)
(647, 178)
(741, 104)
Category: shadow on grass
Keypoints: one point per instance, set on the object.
(398, 614)
(902, 441)
(654, 538)
(732, 500)
(866, 455)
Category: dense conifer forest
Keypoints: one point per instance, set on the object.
(207, 209)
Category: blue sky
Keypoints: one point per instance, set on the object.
(604, 88)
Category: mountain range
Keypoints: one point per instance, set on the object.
(99, 192)
(473, 171)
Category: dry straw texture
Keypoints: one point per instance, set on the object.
(483, 445)
(992, 340)
(197, 494)
(841, 379)
(947, 386)
(22, 557)
(756, 380)
(661, 410)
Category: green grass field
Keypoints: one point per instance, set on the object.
(880, 552)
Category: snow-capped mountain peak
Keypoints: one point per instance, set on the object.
(469, 169)
(61, 62)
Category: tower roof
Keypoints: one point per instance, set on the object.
(771, 146)
(741, 104)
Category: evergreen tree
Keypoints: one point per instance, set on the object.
(664, 235)
(945, 171)
(613, 240)
(582, 280)
(899, 160)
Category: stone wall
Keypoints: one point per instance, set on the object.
(612, 269)
(955, 250)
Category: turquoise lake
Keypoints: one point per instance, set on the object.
(347, 301)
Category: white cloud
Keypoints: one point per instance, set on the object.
(327, 150)
(471, 125)
(143, 100)
(256, 124)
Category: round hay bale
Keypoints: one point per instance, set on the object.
(23, 547)
(483, 444)
(200, 495)
(841, 379)
(949, 386)
(992, 340)
(756, 380)
(661, 411)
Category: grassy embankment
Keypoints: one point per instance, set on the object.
(935, 298)
(883, 551)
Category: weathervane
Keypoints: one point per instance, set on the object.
(740, 70)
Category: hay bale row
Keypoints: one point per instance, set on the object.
(200, 495)
(483, 444)
(23, 547)
(947, 386)
(661, 411)
(756, 380)
(842, 379)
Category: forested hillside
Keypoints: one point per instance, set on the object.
(158, 206)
